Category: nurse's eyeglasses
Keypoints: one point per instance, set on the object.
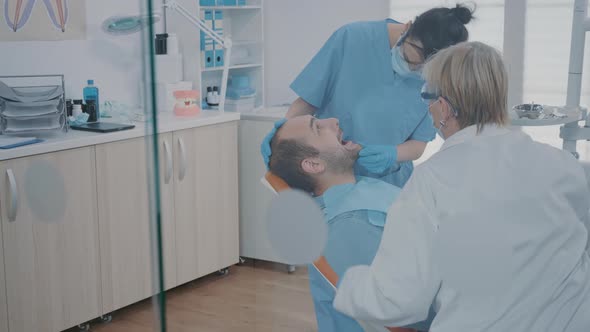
(419, 50)
(429, 96)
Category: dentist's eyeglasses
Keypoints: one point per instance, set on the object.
(429, 96)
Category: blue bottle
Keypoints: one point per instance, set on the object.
(91, 99)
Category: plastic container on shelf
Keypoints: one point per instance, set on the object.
(242, 105)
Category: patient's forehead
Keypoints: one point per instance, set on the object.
(296, 128)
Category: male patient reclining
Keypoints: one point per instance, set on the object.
(310, 155)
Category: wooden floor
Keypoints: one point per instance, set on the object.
(254, 297)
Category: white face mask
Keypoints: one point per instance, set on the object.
(439, 130)
(441, 123)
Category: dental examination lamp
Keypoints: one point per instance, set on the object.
(569, 115)
(122, 25)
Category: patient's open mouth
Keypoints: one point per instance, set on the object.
(349, 145)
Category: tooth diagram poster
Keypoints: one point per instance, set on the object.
(23, 20)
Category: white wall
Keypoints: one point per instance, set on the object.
(294, 30)
(113, 62)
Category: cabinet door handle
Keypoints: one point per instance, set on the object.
(168, 165)
(182, 166)
(13, 207)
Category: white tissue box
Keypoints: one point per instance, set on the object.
(165, 94)
(168, 68)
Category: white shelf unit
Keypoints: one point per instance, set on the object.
(248, 65)
(245, 26)
(231, 7)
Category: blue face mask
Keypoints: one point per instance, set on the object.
(400, 65)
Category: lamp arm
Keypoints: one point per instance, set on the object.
(224, 42)
(224, 79)
(172, 4)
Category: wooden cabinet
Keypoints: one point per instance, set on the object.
(206, 199)
(124, 220)
(198, 209)
(75, 240)
(50, 235)
(3, 309)
(167, 213)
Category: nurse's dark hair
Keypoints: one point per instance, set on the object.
(441, 27)
(285, 162)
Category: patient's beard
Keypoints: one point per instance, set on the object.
(340, 162)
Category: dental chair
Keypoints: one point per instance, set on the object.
(277, 185)
(274, 183)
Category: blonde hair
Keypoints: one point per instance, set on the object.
(472, 76)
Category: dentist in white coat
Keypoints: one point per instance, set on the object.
(492, 230)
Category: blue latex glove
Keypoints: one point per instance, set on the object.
(377, 158)
(265, 146)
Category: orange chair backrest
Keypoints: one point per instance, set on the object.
(276, 182)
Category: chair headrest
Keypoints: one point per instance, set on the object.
(274, 182)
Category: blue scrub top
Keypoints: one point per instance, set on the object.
(351, 79)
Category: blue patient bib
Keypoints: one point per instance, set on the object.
(367, 194)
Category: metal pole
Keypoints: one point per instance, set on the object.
(513, 50)
(574, 83)
(164, 17)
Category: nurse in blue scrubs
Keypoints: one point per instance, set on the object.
(367, 75)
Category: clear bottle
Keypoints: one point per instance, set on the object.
(77, 107)
(211, 97)
(76, 110)
(91, 93)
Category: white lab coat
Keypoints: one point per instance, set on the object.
(491, 230)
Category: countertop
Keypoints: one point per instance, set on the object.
(167, 122)
(266, 114)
